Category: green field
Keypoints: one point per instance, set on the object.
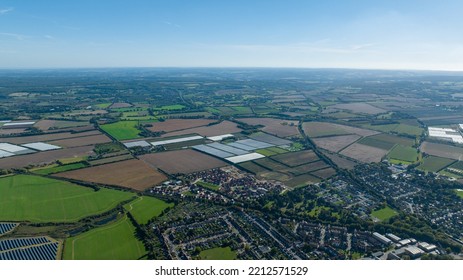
(145, 208)
(60, 168)
(271, 151)
(459, 193)
(115, 241)
(208, 185)
(103, 105)
(384, 214)
(397, 128)
(434, 164)
(39, 199)
(122, 130)
(405, 154)
(218, 253)
(175, 107)
(386, 141)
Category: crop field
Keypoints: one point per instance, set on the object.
(322, 129)
(458, 165)
(45, 125)
(115, 241)
(341, 162)
(39, 199)
(335, 143)
(278, 127)
(224, 127)
(120, 105)
(59, 168)
(252, 167)
(218, 253)
(296, 158)
(324, 173)
(306, 168)
(364, 153)
(434, 164)
(384, 214)
(182, 161)
(271, 151)
(134, 174)
(402, 153)
(386, 141)
(81, 141)
(397, 128)
(364, 108)
(174, 107)
(45, 157)
(122, 130)
(107, 160)
(145, 208)
(170, 125)
(442, 150)
(47, 137)
(271, 164)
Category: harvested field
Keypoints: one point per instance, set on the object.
(301, 180)
(321, 129)
(45, 125)
(324, 173)
(273, 175)
(110, 159)
(182, 161)
(278, 127)
(296, 158)
(306, 168)
(442, 150)
(45, 157)
(364, 108)
(134, 174)
(47, 137)
(364, 153)
(81, 141)
(336, 143)
(179, 124)
(224, 127)
(341, 162)
(11, 131)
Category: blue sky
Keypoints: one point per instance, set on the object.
(234, 33)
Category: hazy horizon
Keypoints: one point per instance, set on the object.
(381, 35)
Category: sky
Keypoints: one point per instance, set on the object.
(380, 34)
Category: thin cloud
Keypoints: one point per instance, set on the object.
(171, 24)
(6, 11)
(19, 37)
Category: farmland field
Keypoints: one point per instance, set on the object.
(402, 153)
(45, 125)
(224, 127)
(296, 158)
(434, 164)
(301, 169)
(122, 130)
(364, 153)
(442, 150)
(115, 241)
(271, 164)
(59, 168)
(145, 208)
(218, 253)
(301, 180)
(178, 124)
(38, 199)
(384, 214)
(324, 173)
(47, 137)
(335, 143)
(81, 141)
(271, 151)
(359, 108)
(252, 167)
(134, 174)
(278, 127)
(386, 141)
(321, 129)
(397, 128)
(182, 161)
(341, 162)
(45, 157)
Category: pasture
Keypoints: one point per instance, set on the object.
(59, 168)
(403, 154)
(122, 130)
(384, 214)
(434, 164)
(145, 208)
(39, 199)
(115, 241)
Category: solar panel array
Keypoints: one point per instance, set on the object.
(212, 151)
(33, 248)
(6, 227)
